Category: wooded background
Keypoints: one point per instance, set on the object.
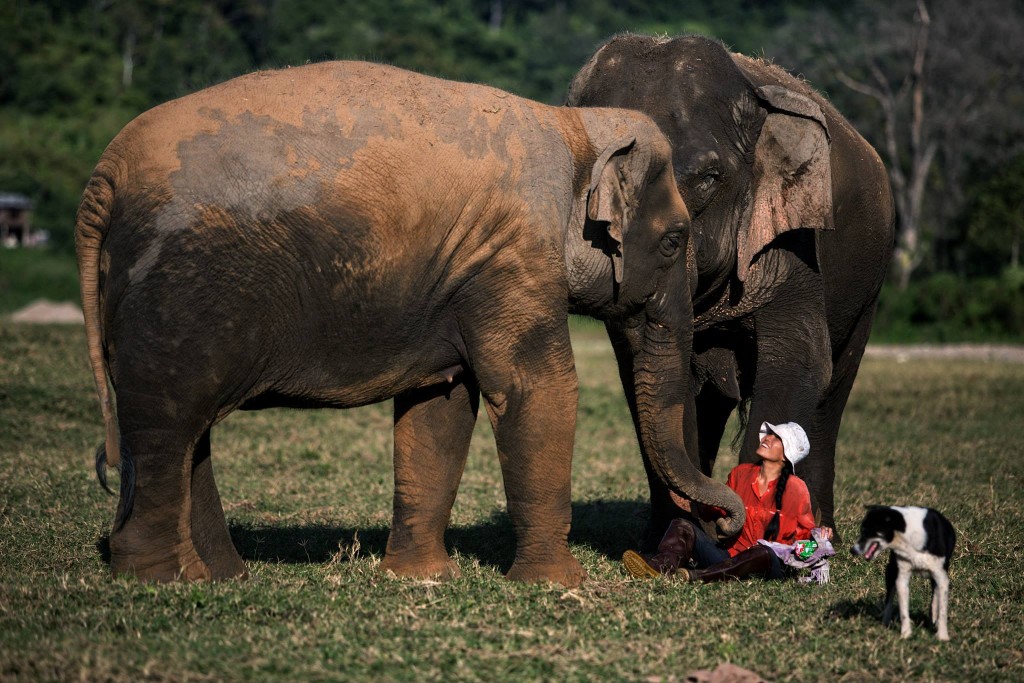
(935, 85)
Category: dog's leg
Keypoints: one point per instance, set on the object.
(903, 593)
(890, 589)
(940, 594)
(935, 599)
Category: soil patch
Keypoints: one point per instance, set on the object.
(1006, 353)
(46, 311)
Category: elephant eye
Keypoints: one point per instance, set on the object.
(670, 243)
(704, 184)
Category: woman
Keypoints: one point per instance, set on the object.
(778, 507)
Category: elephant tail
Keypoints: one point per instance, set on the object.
(127, 468)
(91, 225)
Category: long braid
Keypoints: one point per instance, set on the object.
(772, 531)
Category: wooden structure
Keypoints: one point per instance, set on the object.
(15, 220)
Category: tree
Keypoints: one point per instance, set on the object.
(938, 78)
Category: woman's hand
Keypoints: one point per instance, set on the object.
(826, 532)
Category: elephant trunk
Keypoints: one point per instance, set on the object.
(665, 409)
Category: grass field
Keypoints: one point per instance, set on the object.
(308, 498)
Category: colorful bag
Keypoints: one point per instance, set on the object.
(810, 554)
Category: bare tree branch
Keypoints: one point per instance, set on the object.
(883, 81)
(918, 79)
(858, 86)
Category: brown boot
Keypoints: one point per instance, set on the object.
(756, 559)
(673, 550)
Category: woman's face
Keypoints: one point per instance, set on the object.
(771, 449)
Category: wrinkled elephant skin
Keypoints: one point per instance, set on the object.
(344, 233)
(791, 238)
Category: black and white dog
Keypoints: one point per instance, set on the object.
(920, 539)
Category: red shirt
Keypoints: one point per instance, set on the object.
(795, 518)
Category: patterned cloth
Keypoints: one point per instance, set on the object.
(817, 563)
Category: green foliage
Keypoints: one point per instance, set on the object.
(49, 159)
(29, 274)
(947, 308)
(75, 73)
(308, 500)
(995, 219)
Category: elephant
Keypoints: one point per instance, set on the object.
(791, 236)
(344, 233)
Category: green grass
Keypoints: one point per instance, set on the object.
(308, 497)
(30, 274)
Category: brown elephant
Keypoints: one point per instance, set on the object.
(343, 233)
(792, 232)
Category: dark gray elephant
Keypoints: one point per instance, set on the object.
(343, 233)
(792, 234)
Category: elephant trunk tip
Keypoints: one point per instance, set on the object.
(723, 497)
(732, 524)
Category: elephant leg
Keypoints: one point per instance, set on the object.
(433, 428)
(829, 417)
(663, 508)
(209, 528)
(717, 372)
(713, 411)
(794, 368)
(530, 388)
(154, 543)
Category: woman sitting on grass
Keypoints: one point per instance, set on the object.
(778, 507)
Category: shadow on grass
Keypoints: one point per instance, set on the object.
(609, 527)
(861, 608)
(870, 609)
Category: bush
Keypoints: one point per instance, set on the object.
(946, 308)
(29, 274)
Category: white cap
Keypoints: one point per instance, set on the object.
(794, 440)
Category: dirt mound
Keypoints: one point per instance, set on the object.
(46, 311)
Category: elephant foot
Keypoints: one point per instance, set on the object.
(566, 571)
(438, 568)
(227, 564)
(182, 564)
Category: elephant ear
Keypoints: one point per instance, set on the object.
(608, 200)
(792, 173)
